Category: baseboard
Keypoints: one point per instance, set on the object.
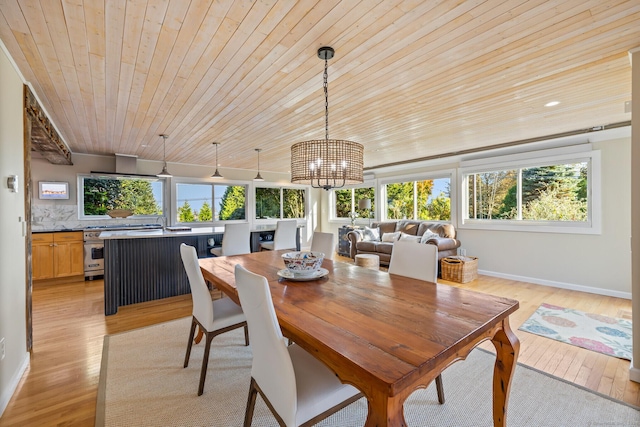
(13, 384)
(561, 285)
(634, 373)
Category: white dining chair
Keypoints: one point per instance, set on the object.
(323, 242)
(297, 388)
(418, 261)
(415, 260)
(236, 240)
(284, 237)
(213, 317)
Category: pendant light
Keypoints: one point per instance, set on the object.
(258, 177)
(164, 173)
(216, 174)
(327, 163)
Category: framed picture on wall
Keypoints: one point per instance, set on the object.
(53, 190)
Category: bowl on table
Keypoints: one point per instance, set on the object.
(303, 263)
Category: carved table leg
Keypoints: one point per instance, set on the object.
(507, 348)
(385, 411)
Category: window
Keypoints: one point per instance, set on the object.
(428, 199)
(346, 201)
(204, 202)
(98, 195)
(270, 202)
(554, 191)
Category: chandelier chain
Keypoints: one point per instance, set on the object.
(326, 100)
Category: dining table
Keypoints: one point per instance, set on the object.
(385, 334)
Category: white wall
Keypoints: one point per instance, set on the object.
(592, 263)
(12, 240)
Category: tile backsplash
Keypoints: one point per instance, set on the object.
(55, 217)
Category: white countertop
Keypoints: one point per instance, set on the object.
(137, 234)
(196, 231)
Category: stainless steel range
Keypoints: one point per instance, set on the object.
(94, 246)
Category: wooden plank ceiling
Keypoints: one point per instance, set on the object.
(410, 79)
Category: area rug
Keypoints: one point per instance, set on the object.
(143, 383)
(607, 335)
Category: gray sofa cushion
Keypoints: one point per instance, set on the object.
(445, 240)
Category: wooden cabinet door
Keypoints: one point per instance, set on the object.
(42, 255)
(68, 254)
(77, 258)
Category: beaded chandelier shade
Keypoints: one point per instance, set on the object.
(327, 163)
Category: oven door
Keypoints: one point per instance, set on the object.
(93, 259)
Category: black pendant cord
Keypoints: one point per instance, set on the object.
(326, 100)
(326, 117)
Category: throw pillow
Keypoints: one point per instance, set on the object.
(409, 237)
(390, 237)
(371, 234)
(428, 235)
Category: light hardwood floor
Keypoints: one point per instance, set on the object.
(60, 386)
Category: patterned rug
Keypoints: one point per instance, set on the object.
(607, 335)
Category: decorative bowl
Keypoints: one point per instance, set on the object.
(119, 213)
(302, 263)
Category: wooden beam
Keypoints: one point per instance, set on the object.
(44, 138)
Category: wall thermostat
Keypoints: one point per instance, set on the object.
(12, 183)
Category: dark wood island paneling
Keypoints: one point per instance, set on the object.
(146, 269)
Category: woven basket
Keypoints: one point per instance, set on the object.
(459, 269)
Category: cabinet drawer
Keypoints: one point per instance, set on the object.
(42, 238)
(71, 236)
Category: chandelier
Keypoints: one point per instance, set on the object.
(327, 163)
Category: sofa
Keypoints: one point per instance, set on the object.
(378, 239)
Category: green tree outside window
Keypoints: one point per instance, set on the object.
(185, 213)
(101, 195)
(267, 203)
(343, 203)
(549, 193)
(205, 213)
(293, 203)
(232, 205)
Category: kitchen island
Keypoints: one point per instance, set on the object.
(145, 265)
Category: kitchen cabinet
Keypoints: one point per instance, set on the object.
(56, 255)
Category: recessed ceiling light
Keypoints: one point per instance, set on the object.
(552, 104)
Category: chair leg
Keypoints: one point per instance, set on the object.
(191, 333)
(246, 335)
(205, 361)
(440, 389)
(251, 403)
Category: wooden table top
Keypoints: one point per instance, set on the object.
(378, 331)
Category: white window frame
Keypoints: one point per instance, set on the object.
(435, 174)
(307, 204)
(332, 202)
(174, 200)
(566, 155)
(80, 194)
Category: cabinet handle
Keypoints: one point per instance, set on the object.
(51, 245)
